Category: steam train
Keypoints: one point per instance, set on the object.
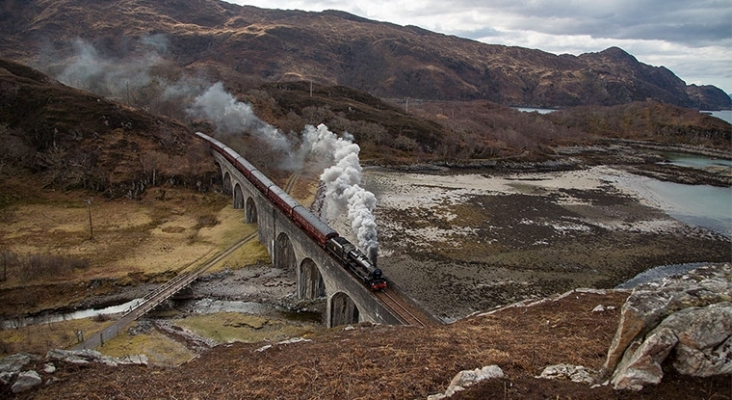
(337, 246)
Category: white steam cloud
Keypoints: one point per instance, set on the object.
(342, 185)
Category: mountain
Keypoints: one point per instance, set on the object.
(332, 47)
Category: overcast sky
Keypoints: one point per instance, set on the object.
(693, 38)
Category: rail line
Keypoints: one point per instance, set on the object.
(402, 311)
(157, 296)
(291, 182)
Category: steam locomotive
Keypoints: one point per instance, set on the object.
(337, 246)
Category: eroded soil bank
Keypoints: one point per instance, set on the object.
(460, 242)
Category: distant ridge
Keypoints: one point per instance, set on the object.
(334, 47)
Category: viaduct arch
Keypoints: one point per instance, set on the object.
(289, 246)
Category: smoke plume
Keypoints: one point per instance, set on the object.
(232, 116)
(113, 77)
(343, 192)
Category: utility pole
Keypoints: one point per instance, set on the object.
(88, 209)
(407, 108)
(311, 88)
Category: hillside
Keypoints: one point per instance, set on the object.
(71, 139)
(389, 362)
(234, 43)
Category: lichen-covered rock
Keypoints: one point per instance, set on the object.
(652, 302)
(26, 381)
(575, 373)
(690, 315)
(643, 366)
(705, 340)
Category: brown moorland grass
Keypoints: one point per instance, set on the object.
(378, 362)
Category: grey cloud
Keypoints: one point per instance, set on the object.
(697, 23)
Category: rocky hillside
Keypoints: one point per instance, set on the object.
(331, 47)
(71, 139)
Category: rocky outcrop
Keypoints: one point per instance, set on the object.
(26, 381)
(689, 316)
(15, 362)
(11, 367)
(87, 356)
(574, 373)
(466, 378)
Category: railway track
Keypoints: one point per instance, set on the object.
(159, 295)
(407, 314)
(291, 182)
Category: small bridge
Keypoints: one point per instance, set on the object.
(157, 297)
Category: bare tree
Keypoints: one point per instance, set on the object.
(88, 208)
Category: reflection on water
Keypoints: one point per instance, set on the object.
(657, 273)
(205, 306)
(702, 206)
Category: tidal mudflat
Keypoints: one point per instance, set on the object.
(469, 241)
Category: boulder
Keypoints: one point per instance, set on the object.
(652, 302)
(575, 373)
(643, 365)
(466, 378)
(14, 363)
(26, 380)
(49, 368)
(88, 356)
(689, 315)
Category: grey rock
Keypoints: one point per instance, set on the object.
(705, 340)
(652, 302)
(26, 381)
(74, 356)
(643, 365)
(701, 338)
(88, 356)
(14, 363)
(575, 373)
(7, 377)
(49, 368)
(466, 378)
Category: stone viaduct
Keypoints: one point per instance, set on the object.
(290, 247)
